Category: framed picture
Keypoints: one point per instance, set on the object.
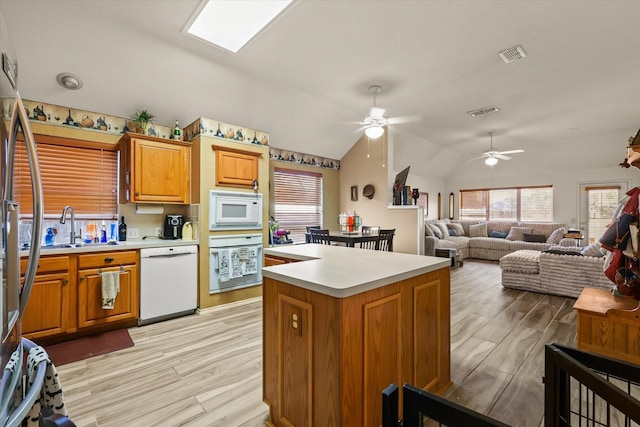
(354, 193)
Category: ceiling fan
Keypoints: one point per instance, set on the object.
(374, 123)
(491, 156)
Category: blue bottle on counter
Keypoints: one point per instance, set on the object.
(50, 237)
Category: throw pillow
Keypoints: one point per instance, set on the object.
(556, 236)
(478, 230)
(453, 233)
(592, 250)
(517, 233)
(436, 231)
(443, 228)
(457, 227)
(536, 238)
(498, 234)
(428, 231)
(561, 252)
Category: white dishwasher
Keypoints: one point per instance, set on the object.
(168, 282)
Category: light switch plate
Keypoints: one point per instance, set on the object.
(132, 233)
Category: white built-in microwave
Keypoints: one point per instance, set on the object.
(229, 210)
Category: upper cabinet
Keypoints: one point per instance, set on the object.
(154, 170)
(235, 167)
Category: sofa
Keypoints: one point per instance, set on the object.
(556, 272)
(491, 240)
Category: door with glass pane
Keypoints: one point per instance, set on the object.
(598, 203)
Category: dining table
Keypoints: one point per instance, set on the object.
(351, 238)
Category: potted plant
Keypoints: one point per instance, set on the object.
(142, 118)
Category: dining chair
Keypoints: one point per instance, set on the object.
(386, 240)
(307, 236)
(319, 236)
(370, 229)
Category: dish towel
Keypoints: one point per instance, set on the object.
(110, 288)
(51, 399)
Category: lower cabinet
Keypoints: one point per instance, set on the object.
(66, 296)
(90, 268)
(270, 260)
(47, 312)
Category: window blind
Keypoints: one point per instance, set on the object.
(298, 201)
(81, 174)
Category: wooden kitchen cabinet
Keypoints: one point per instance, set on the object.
(270, 260)
(327, 359)
(48, 310)
(90, 311)
(155, 170)
(236, 168)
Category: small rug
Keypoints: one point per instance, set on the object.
(89, 346)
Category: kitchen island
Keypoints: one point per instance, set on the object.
(341, 324)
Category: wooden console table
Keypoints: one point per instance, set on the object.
(608, 325)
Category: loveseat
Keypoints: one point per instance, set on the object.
(555, 272)
(491, 240)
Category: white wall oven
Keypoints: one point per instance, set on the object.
(234, 262)
(234, 211)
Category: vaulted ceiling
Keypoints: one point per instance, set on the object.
(304, 79)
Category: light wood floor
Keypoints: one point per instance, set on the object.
(206, 370)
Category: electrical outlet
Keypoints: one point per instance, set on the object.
(158, 232)
(132, 233)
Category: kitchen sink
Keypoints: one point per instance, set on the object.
(75, 245)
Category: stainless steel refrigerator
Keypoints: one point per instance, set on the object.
(15, 129)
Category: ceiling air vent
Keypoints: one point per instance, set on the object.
(512, 54)
(483, 111)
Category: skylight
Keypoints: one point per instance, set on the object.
(230, 24)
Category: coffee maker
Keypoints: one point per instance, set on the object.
(173, 226)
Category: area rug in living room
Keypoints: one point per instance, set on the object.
(89, 346)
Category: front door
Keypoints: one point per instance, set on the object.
(598, 203)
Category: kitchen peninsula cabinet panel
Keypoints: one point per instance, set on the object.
(47, 312)
(326, 359)
(155, 170)
(236, 168)
(90, 311)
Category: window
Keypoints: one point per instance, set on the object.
(81, 174)
(298, 201)
(508, 204)
(602, 203)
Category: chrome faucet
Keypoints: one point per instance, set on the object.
(72, 233)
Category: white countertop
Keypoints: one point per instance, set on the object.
(119, 246)
(340, 272)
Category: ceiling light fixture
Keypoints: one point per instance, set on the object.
(491, 161)
(232, 24)
(374, 131)
(69, 81)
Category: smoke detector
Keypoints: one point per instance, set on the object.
(69, 81)
(480, 112)
(512, 54)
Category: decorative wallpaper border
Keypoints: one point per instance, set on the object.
(303, 159)
(230, 132)
(57, 115)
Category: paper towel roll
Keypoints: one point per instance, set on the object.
(149, 209)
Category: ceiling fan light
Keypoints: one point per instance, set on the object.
(490, 161)
(374, 131)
